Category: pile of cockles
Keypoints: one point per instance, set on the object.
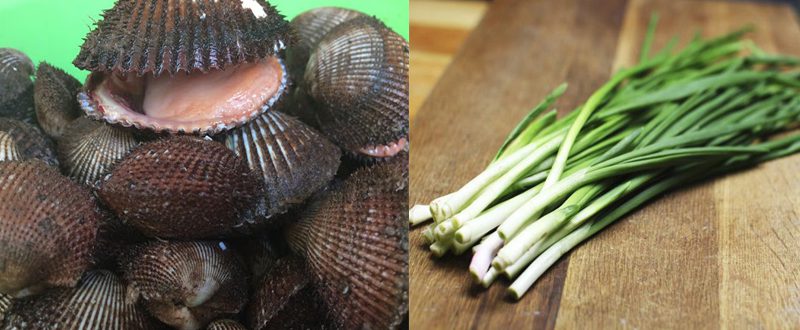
(220, 168)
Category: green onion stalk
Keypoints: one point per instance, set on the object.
(713, 107)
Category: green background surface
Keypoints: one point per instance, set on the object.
(53, 30)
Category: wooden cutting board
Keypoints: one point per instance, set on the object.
(723, 253)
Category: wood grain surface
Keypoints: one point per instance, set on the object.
(722, 253)
(438, 30)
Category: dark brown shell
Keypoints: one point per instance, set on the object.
(226, 325)
(293, 159)
(16, 86)
(31, 142)
(48, 226)
(184, 188)
(311, 26)
(158, 36)
(285, 299)
(355, 239)
(186, 284)
(8, 148)
(5, 305)
(98, 302)
(55, 94)
(358, 77)
(88, 149)
(259, 254)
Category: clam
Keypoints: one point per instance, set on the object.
(285, 299)
(291, 158)
(98, 302)
(186, 284)
(311, 26)
(8, 148)
(54, 96)
(226, 324)
(48, 226)
(89, 148)
(31, 142)
(199, 66)
(355, 239)
(16, 87)
(184, 188)
(358, 78)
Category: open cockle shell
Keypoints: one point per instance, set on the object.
(184, 188)
(89, 148)
(285, 299)
(355, 239)
(191, 66)
(293, 160)
(215, 114)
(186, 284)
(358, 77)
(54, 95)
(98, 302)
(16, 86)
(311, 26)
(48, 226)
(31, 142)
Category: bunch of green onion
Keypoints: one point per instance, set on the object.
(716, 106)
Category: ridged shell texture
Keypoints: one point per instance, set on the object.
(168, 36)
(358, 75)
(31, 142)
(55, 94)
(48, 226)
(5, 305)
(285, 299)
(8, 148)
(355, 239)
(98, 302)
(293, 159)
(186, 284)
(90, 148)
(183, 188)
(226, 325)
(311, 26)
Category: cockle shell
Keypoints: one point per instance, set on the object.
(311, 26)
(89, 148)
(98, 302)
(8, 148)
(292, 159)
(188, 66)
(55, 94)
(16, 86)
(5, 305)
(355, 239)
(226, 325)
(31, 142)
(183, 36)
(48, 226)
(285, 299)
(358, 77)
(186, 284)
(184, 188)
